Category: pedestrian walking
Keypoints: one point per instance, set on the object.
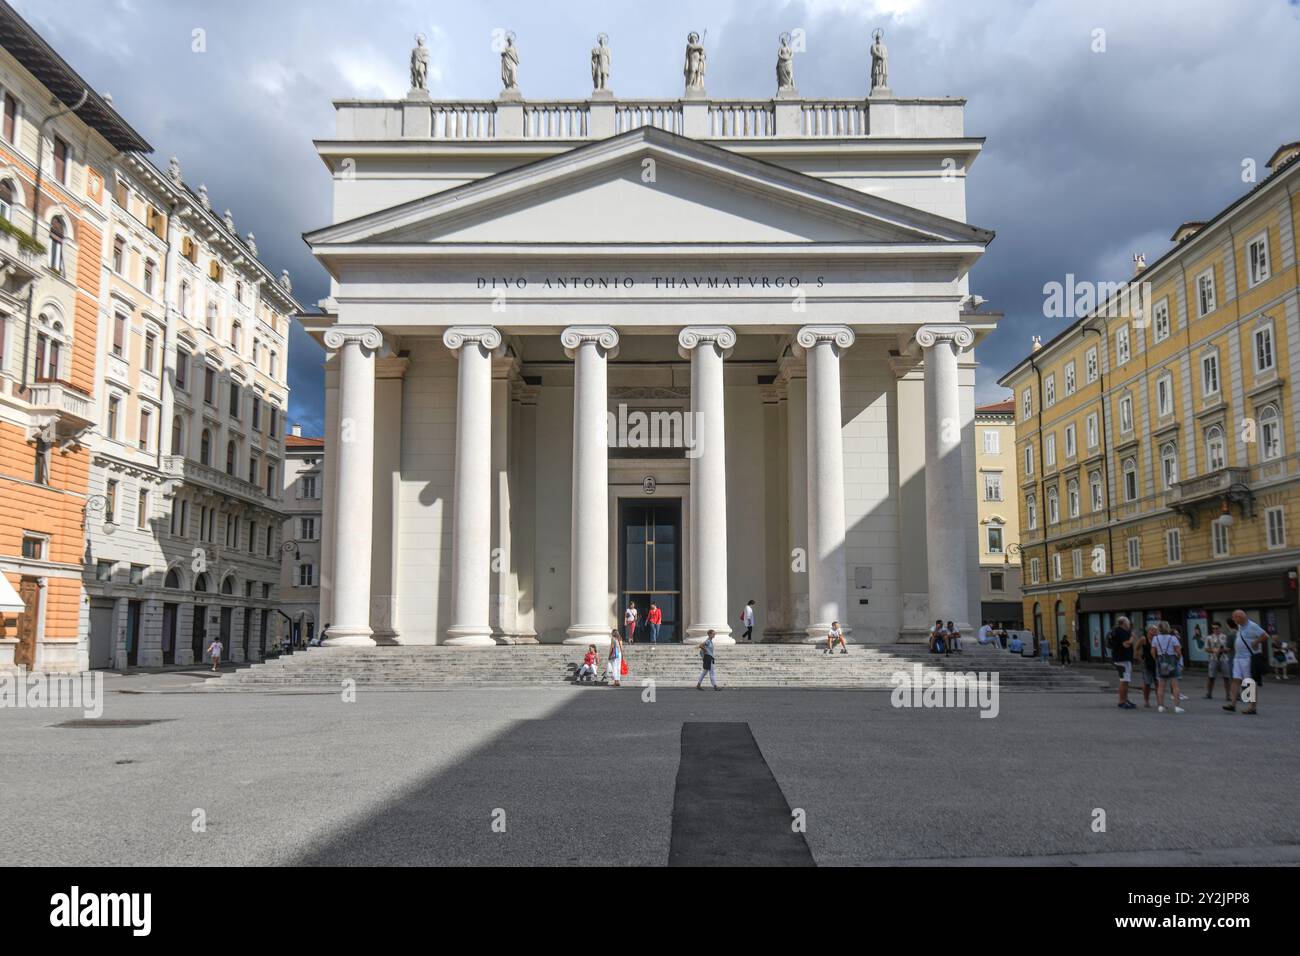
(215, 649)
(1249, 648)
(629, 620)
(1121, 654)
(1220, 666)
(707, 663)
(614, 666)
(655, 618)
(1168, 651)
(747, 619)
(1065, 650)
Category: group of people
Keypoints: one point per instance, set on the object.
(945, 638)
(616, 664)
(1238, 657)
(655, 619)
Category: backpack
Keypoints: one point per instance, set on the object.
(1166, 659)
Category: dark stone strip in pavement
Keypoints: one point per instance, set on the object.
(728, 809)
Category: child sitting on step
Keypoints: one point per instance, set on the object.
(587, 672)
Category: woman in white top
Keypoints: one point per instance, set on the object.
(629, 618)
(1168, 651)
(614, 670)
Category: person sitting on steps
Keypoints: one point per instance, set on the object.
(835, 636)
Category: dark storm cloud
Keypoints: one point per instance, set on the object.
(1090, 156)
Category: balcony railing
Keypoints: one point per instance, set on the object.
(72, 406)
(1205, 487)
(184, 469)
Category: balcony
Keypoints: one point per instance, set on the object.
(1222, 487)
(20, 263)
(190, 472)
(68, 407)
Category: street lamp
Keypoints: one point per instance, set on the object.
(97, 504)
(291, 545)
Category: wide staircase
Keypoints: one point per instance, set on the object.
(669, 665)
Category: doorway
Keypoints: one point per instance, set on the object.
(169, 634)
(200, 632)
(101, 633)
(650, 564)
(29, 590)
(132, 633)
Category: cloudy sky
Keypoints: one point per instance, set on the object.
(1091, 156)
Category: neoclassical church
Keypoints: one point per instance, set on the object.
(687, 352)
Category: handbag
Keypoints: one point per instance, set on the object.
(623, 666)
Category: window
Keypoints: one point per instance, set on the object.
(232, 457)
(1160, 320)
(1275, 520)
(270, 540)
(110, 500)
(61, 157)
(992, 487)
(119, 255)
(178, 435)
(215, 272)
(1130, 471)
(1049, 451)
(10, 118)
(7, 200)
(252, 535)
(119, 334)
(1134, 553)
(1072, 497)
(104, 571)
(210, 385)
(142, 509)
(274, 365)
(1264, 349)
(182, 369)
(181, 518)
(1169, 465)
(150, 348)
(1049, 391)
(1126, 414)
(1026, 403)
(1205, 301)
(1095, 491)
(205, 448)
(1164, 396)
(189, 249)
(1031, 512)
(306, 576)
(1215, 448)
(254, 462)
(1122, 349)
(234, 400)
(309, 486)
(993, 538)
(1209, 374)
(114, 407)
(1257, 259)
(211, 321)
(1069, 379)
(1090, 365)
(137, 574)
(232, 531)
(1219, 544)
(146, 429)
(1173, 546)
(307, 530)
(187, 298)
(235, 329)
(990, 441)
(1029, 459)
(149, 267)
(270, 480)
(1053, 506)
(257, 412)
(1033, 571)
(997, 581)
(1071, 441)
(274, 430)
(1056, 566)
(1076, 563)
(1091, 430)
(1270, 433)
(57, 238)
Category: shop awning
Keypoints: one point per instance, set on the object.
(1237, 592)
(10, 602)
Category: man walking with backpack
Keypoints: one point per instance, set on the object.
(1169, 656)
(1121, 654)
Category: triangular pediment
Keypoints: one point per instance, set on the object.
(649, 186)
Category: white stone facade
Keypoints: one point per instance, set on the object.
(507, 300)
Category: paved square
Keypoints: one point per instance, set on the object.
(591, 775)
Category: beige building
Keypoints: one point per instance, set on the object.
(304, 480)
(999, 513)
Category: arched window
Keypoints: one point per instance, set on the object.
(232, 455)
(1130, 471)
(1072, 497)
(178, 435)
(49, 348)
(228, 585)
(205, 448)
(1214, 449)
(1031, 511)
(201, 582)
(58, 235)
(7, 200)
(1053, 506)
(173, 579)
(1270, 433)
(1169, 465)
(1095, 489)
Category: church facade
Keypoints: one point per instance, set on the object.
(604, 352)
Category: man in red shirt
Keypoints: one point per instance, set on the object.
(655, 617)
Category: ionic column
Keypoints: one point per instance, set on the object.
(827, 574)
(355, 454)
(589, 604)
(945, 491)
(471, 516)
(706, 347)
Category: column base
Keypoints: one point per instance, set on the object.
(358, 636)
(588, 634)
(696, 633)
(469, 635)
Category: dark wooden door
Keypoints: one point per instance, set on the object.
(29, 589)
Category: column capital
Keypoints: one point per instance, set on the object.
(960, 337)
(841, 336)
(693, 336)
(367, 336)
(605, 337)
(485, 336)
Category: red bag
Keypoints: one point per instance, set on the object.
(623, 669)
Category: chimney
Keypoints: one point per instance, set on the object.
(296, 430)
(1037, 343)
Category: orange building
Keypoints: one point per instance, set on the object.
(58, 139)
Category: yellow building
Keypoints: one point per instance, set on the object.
(999, 514)
(1158, 436)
